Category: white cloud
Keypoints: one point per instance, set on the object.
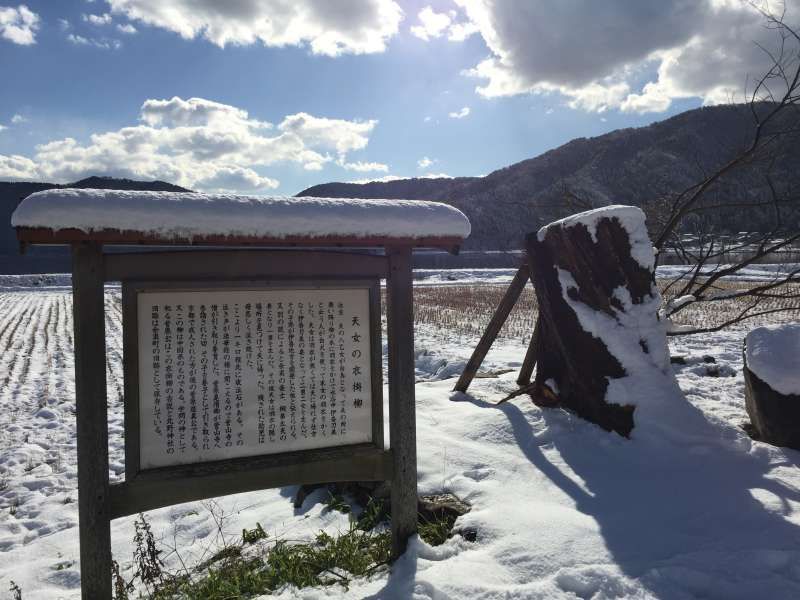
(425, 162)
(200, 144)
(104, 19)
(78, 39)
(18, 168)
(64, 24)
(18, 25)
(194, 112)
(16, 119)
(236, 178)
(387, 178)
(102, 43)
(458, 32)
(434, 25)
(2, 127)
(459, 114)
(127, 29)
(603, 51)
(329, 134)
(383, 179)
(363, 167)
(328, 28)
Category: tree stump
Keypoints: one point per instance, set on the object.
(594, 279)
(772, 384)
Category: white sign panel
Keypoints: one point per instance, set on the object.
(244, 372)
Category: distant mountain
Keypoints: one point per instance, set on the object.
(627, 166)
(13, 192)
(418, 188)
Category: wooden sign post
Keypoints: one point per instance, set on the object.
(215, 401)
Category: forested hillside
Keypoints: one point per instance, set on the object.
(641, 166)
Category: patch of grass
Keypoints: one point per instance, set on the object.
(436, 532)
(251, 536)
(326, 561)
(64, 564)
(373, 514)
(337, 503)
(245, 568)
(227, 553)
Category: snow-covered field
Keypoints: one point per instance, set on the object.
(562, 508)
(755, 272)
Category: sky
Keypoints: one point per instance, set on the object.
(270, 97)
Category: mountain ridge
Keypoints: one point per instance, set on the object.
(626, 166)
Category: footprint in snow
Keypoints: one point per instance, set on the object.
(479, 473)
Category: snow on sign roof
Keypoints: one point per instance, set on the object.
(114, 216)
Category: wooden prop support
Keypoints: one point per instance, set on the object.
(531, 356)
(493, 328)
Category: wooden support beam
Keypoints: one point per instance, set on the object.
(495, 325)
(526, 370)
(242, 264)
(402, 422)
(92, 420)
(47, 236)
(172, 485)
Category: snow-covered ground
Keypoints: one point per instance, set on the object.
(562, 508)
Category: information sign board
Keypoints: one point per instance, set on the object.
(234, 371)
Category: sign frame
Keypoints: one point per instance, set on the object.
(130, 336)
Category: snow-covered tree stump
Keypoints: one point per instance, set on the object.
(594, 279)
(772, 383)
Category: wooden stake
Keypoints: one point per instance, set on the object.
(526, 370)
(402, 422)
(495, 325)
(92, 420)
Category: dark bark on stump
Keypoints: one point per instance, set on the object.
(573, 358)
(775, 417)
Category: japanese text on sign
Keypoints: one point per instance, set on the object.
(232, 373)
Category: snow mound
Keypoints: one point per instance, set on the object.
(773, 355)
(189, 215)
